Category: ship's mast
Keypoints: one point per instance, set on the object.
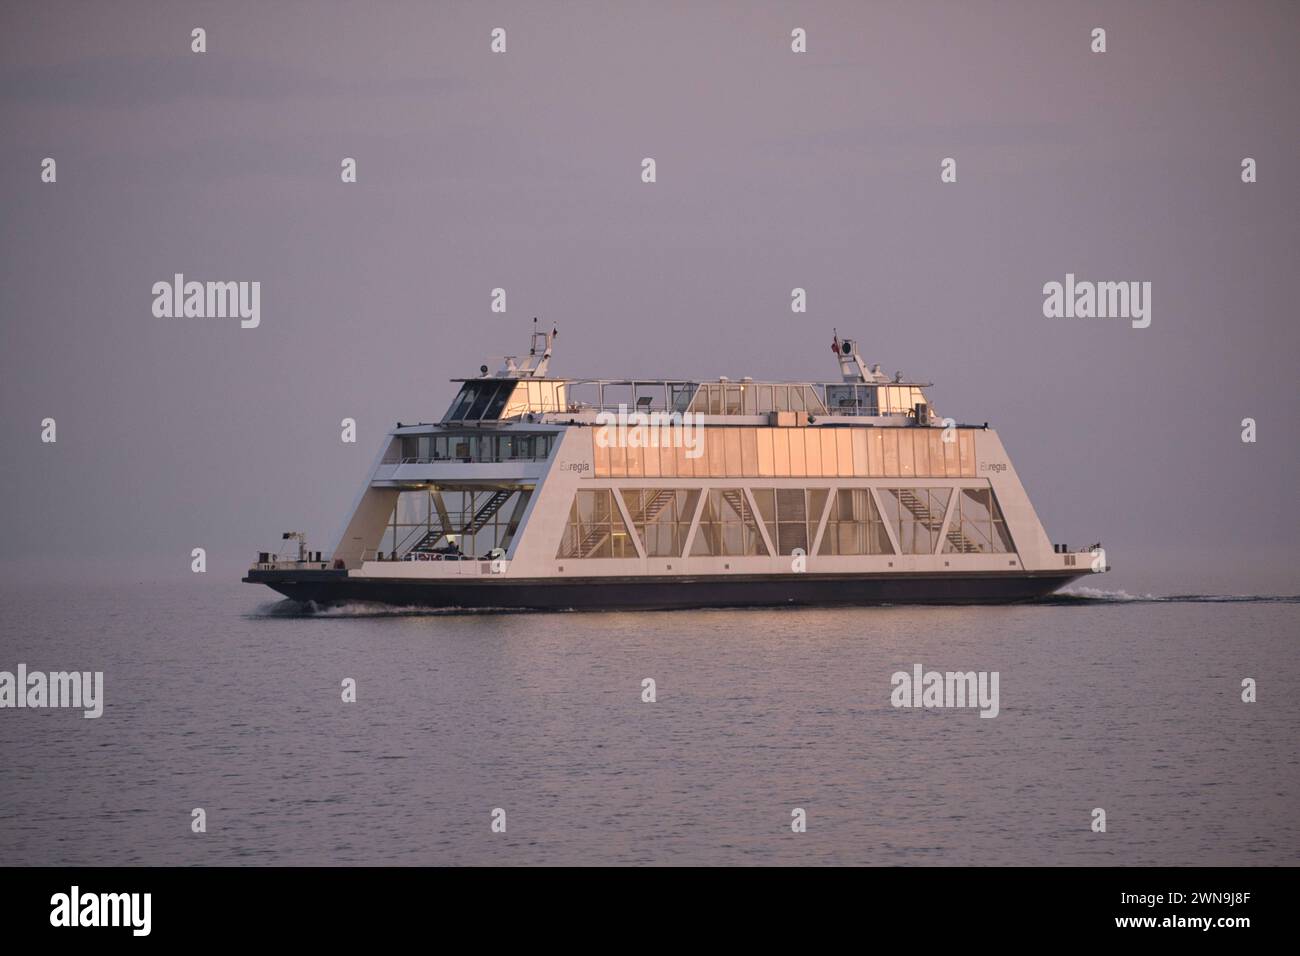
(535, 365)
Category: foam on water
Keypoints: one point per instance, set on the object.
(1098, 596)
(362, 609)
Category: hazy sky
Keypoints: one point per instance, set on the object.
(522, 170)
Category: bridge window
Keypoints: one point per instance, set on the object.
(495, 399)
(475, 447)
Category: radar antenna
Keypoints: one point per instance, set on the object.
(852, 368)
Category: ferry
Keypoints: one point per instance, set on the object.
(543, 493)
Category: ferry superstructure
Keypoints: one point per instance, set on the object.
(536, 492)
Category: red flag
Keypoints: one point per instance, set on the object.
(835, 345)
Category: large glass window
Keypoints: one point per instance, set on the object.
(486, 396)
(916, 514)
(662, 518)
(454, 522)
(842, 398)
(595, 528)
(728, 525)
(899, 399)
(477, 447)
(792, 520)
(463, 401)
(854, 526)
(681, 393)
(867, 400)
(495, 399)
(791, 515)
(978, 526)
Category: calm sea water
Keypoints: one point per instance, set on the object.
(221, 697)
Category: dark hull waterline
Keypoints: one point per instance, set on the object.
(326, 588)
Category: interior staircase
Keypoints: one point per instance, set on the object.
(650, 509)
(429, 539)
(921, 511)
(735, 498)
(484, 514)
